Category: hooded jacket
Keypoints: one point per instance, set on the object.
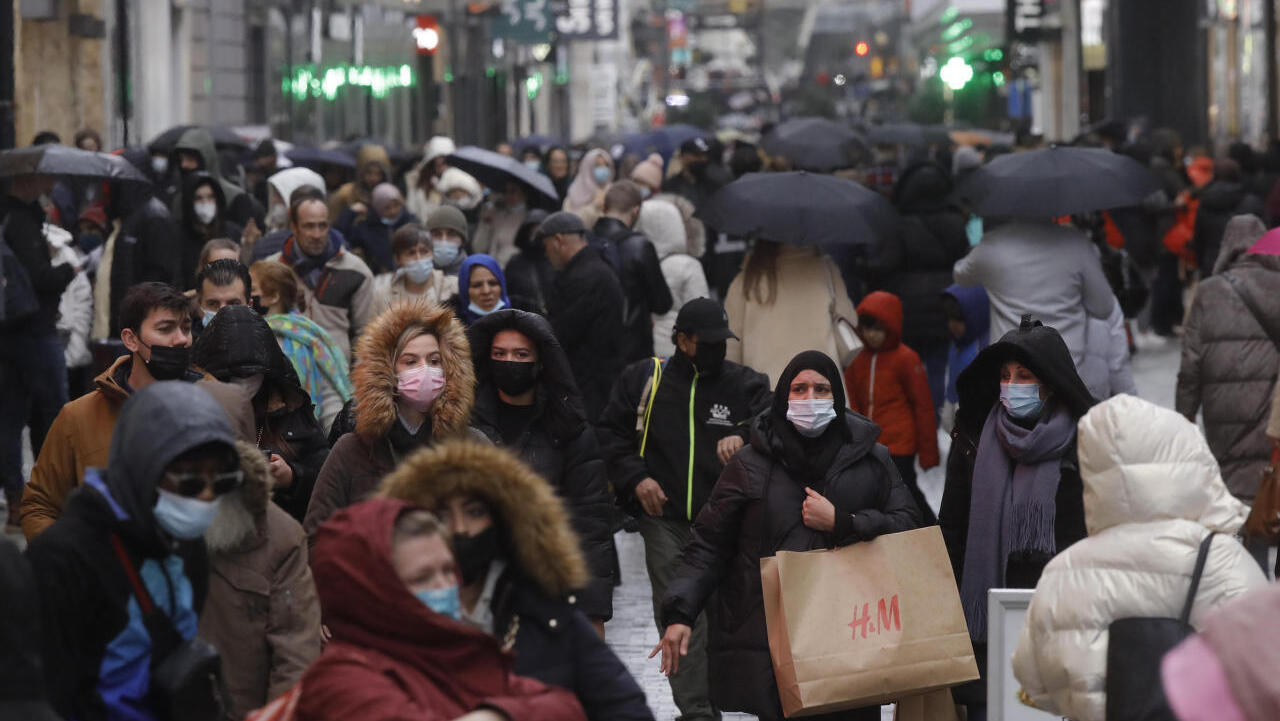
(557, 443)
(976, 310)
(262, 613)
(392, 657)
(195, 235)
(1229, 363)
(97, 651)
(1152, 492)
(290, 179)
(240, 206)
(539, 595)
(239, 343)
(890, 386)
(359, 460)
(644, 286)
(755, 511)
(354, 191)
(529, 274)
(585, 197)
(1220, 201)
(661, 223)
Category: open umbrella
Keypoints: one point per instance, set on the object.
(223, 138)
(913, 134)
(801, 208)
(66, 161)
(495, 170)
(815, 144)
(316, 158)
(1056, 181)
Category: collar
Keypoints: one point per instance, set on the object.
(482, 616)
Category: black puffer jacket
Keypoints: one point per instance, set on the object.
(145, 249)
(1220, 201)
(194, 234)
(754, 512)
(557, 443)
(239, 343)
(644, 287)
(586, 312)
(918, 267)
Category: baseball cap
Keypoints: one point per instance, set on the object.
(706, 318)
(561, 222)
(695, 146)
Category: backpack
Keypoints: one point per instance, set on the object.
(18, 301)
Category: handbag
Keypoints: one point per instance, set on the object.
(846, 332)
(186, 675)
(1135, 647)
(18, 299)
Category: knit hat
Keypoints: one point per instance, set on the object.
(449, 218)
(383, 195)
(649, 171)
(453, 179)
(437, 146)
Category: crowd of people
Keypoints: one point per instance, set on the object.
(361, 445)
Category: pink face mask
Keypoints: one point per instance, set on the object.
(419, 386)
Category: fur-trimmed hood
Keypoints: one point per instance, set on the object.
(534, 520)
(374, 374)
(241, 523)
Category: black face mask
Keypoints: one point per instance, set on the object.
(710, 358)
(89, 241)
(698, 169)
(513, 377)
(169, 363)
(475, 553)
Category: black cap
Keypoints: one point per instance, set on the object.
(704, 317)
(561, 222)
(695, 146)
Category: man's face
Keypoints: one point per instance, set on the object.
(311, 228)
(188, 160)
(163, 327)
(446, 235)
(372, 174)
(215, 297)
(559, 249)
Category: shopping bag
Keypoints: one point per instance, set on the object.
(933, 706)
(865, 624)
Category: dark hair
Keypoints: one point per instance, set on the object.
(761, 264)
(143, 298)
(745, 159)
(303, 194)
(46, 137)
(264, 149)
(223, 273)
(88, 134)
(622, 197)
(407, 237)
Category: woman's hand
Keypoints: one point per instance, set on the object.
(674, 644)
(281, 471)
(818, 512)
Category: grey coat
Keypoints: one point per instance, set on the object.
(1229, 363)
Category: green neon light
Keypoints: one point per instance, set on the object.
(948, 15)
(960, 45)
(997, 78)
(956, 29)
(533, 85)
(307, 80)
(448, 74)
(994, 55)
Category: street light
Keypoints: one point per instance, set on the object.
(956, 73)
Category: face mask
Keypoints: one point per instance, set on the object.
(168, 363)
(481, 311)
(973, 229)
(533, 165)
(418, 270)
(811, 417)
(516, 208)
(1021, 400)
(420, 386)
(645, 192)
(710, 358)
(602, 174)
(475, 553)
(513, 377)
(206, 212)
(182, 517)
(443, 601)
(278, 217)
(89, 241)
(250, 384)
(698, 169)
(209, 315)
(159, 164)
(444, 254)
(388, 221)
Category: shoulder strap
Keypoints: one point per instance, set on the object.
(1195, 578)
(164, 635)
(652, 387)
(1252, 304)
(139, 590)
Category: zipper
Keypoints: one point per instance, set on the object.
(871, 402)
(688, 496)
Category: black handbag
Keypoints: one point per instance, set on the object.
(1135, 648)
(186, 676)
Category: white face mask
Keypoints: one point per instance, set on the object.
(811, 416)
(159, 164)
(183, 517)
(206, 211)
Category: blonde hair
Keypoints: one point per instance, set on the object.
(277, 278)
(407, 335)
(416, 523)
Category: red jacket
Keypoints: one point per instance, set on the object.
(890, 386)
(392, 658)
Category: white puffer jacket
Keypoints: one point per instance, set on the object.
(662, 224)
(1152, 491)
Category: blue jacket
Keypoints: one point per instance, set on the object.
(976, 310)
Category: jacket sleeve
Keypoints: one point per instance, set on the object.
(897, 512)
(342, 687)
(1099, 299)
(1026, 669)
(75, 317)
(331, 491)
(66, 626)
(616, 433)
(759, 399)
(53, 477)
(605, 687)
(735, 306)
(309, 458)
(693, 284)
(578, 311)
(968, 270)
(1188, 398)
(1118, 363)
(586, 495)
(362, 309)
(916, 381)
(953, 515)
(26, 240)
(655, 283)
(293, 626)
(706, 557)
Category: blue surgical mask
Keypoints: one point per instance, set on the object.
(444, 254)
(811, 416)
(388, 221)
(480, 311)
(602, 174)
(183, 517)
(443, 601)
(418, 270)
(973, 229)
(1021, 400)
(533, 165)
(645, 192)
(209, 316)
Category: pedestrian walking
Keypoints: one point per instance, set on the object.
(585, 197)
(202, 216)
(811, 477)
(522, 573)
(423, 179)
(1152, 494)
(371, 236)
(297, 187)
(499, 220)
(482, 288)
(697, 180)
(529, 274)
(195, 152)
(415, 279)
(143, 218)
(373, 166)
(75, 311)
(660, 221)
(888, 384)
(389, 592)
(449, 239)
(556, 165)
(1106, 369)
(1225, 197)
(219, 284)
(969, 324)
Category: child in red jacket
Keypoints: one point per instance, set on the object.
(888, 384)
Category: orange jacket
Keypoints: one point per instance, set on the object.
(890, 386)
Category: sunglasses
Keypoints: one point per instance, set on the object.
(193, 484)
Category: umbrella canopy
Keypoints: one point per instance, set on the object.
(66, 161)
(815, 144)
(495, 170)
(801, 208)
(319, 157)
(223, 138)
(1056, 181)
(913, 134)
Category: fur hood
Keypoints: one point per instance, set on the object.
(241, 523)
(533, 518)
(374, 374)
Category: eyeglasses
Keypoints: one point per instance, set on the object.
(193, 484)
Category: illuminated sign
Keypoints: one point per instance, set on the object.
(305, 81)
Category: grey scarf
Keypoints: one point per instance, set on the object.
(1015, 480)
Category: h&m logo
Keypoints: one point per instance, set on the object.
(888, 618)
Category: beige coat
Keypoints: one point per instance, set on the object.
(390, 289)
(799, 318)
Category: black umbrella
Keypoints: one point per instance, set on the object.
(815, 144)
(319, 157)
(223, 138)
(64, 160)
(495, 170)
(1056, 181)
(801, 208)
(913, 134)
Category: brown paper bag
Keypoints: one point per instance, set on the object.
(933, 706)
(865, 624)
